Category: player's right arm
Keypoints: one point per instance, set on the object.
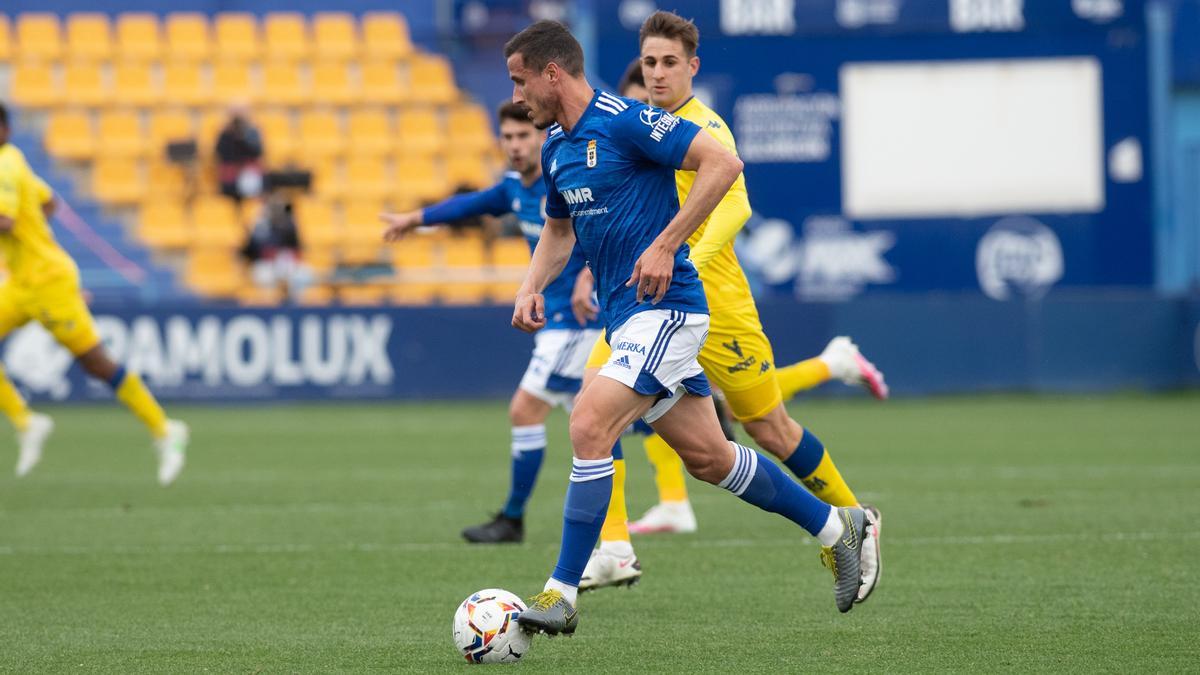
(550, 256)
(492, 201)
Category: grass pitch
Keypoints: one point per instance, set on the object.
(1021, 534)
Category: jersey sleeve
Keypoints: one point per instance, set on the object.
(10, 188)
(43, 190)
(655, 135)
(556, 206)
(723, 225)
(492, 201)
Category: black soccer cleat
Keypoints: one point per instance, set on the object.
(844, 557)
(499, 530)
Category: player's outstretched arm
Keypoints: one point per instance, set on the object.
(491, 201)
(716, 171)
(549, 258)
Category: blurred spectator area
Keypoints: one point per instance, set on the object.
(380, 123)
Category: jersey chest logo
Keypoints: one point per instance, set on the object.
(591, 154)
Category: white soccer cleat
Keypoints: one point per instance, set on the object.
(666, 517)
(31, 440)
(172, 452)
(611, 566)
(847, 364)
(871, 562)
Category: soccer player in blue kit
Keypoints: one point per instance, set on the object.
(561, 347)
(610, 186)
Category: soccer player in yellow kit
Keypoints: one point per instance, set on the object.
(736, 357)
(43, 285)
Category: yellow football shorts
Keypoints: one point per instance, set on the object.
(58, 306)
(737, 358)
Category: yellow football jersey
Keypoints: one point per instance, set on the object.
(725, 283)
(31, 254)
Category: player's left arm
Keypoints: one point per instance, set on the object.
(727, 219)
(551, 255)
(717, 169)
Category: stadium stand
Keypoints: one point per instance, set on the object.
(379, 123)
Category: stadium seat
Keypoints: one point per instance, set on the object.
(464, 292)
(503, 292)
(185, 84)
(286, 36)
(370, 132)
(69, 135)
(420, 132)
(89, 36)
(362, 295)
(362, 224)
(164, 224)
(318, 223)
(232, 82)
(167, 126)
(39, 37)
(282, 84)
(368, 178)
(468, 169)
(413, 293)
(382, 84)
(188, 37)
(315, 296)
(322, 260)
(214, 272)
(329, 182)
(431, 80)
(420, 179)
(332, 85)
(118, 181)
(135, 85)
(138, 37)
(321, 135)
(278, 135)
(6, 46)
(470, 128)
(415, 256)
(237, 36)
(335, 37)
(84, 84)
(169, 180)
(510, 254)
(386, 36)
(259, 296)
(211, 123)
(215, 222)
(34, 86)
(120, 134)
(465, 252)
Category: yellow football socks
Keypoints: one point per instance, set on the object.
(668, 470)
(12, 404)
(801, 376)
(616, 525)
(827, 484)
(134, 394)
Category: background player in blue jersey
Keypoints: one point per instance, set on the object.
(561, 347)
(610, 185)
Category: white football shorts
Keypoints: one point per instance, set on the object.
(555, 370)
(654, 353)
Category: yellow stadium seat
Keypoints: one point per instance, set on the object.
(39, 37)
(34, 86)
(320, 259)
(214, 272)
(362, 295)
(232, 83)
(278, 135)
(138, 37)
(420, 179)
(259, 296)
(118, 181)
(319, 295)
(119, 134)
(503, 292)
(286, 36)
(362, 225)
(510, 252)
(420, 132)
(464, 293)
(329, 181)
(89, 36)
(368, 178)
(188, 37)
(318, 223)
(414, 293)
(164, 223)
(283, 85)
(84, 84)
(237, 36)
(321, 135)
(332, 85)
(134, 84)
(6, 46)
(215, 222)
(385, 35)
(431, 80)
(167, 126)
(470, 128)
(464, 253)
(468, 169)
(370, 132)
(211, 124)
(168, 179)
(69, 135)
(184, 84)
(382, 84)
(334, 36)
(415, 256)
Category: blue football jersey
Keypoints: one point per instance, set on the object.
(510, 196)
(613, 175)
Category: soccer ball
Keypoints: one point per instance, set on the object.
(486, 630)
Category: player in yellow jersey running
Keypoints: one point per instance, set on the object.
(736, 357)
(43, 286)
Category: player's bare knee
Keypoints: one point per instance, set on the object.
(589, 435)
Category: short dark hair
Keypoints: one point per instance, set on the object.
(513, 111)
(673, 27)
(633, 76)
(547, 42)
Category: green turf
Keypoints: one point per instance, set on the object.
(1022, 534)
